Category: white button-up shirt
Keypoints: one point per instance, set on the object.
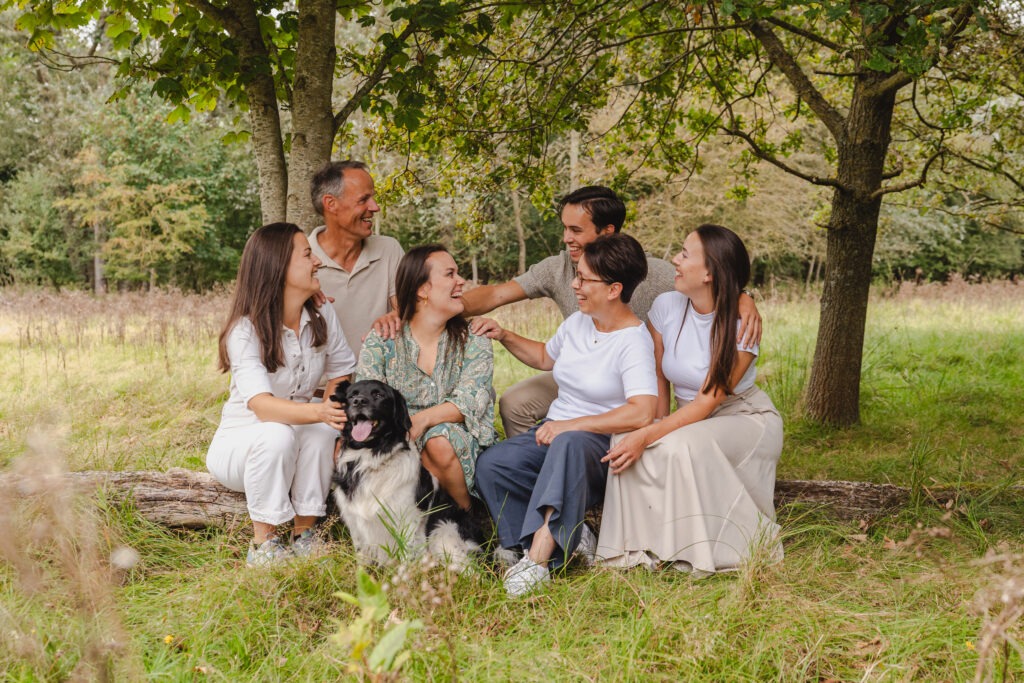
(296, 380)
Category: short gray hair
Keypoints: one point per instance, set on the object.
(330, 179)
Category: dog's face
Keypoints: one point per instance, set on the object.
(378, 416)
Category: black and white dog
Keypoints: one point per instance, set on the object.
(392, 506)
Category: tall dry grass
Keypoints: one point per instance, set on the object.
(60, 618)
(128, 381)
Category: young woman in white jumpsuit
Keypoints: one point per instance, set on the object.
(274, 442)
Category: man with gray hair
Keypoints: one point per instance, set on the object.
(358, 268)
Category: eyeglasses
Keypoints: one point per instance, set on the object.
(579, 278)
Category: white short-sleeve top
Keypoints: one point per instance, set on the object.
(598, 371)
(296, 380)
(687, 356)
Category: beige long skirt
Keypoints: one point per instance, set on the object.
(702, 497)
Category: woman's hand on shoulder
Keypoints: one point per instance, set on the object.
(627, 451)
(487, 327)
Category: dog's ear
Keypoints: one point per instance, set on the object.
(340, 391)
(401, 409)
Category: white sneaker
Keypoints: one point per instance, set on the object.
(524, 577)
(308, 544)
(587, 548)
(271, 551)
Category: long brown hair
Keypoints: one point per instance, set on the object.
(413, 273)
(259, 294)
(727, 261)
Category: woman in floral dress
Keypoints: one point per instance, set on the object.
(443, 371)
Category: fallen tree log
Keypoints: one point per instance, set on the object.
(190, 499)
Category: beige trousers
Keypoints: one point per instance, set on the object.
(525, 403)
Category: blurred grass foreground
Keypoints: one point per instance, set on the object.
(90, 591)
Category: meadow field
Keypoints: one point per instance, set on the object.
(935, 591)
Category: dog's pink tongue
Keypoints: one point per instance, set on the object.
(361, 430)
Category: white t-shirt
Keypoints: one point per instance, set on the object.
(297, 379)
(687, 356)
(598, 371)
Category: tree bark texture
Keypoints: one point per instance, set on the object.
(833, 390)
(190, 499)
(517, 216)
(313, 126)
(264, 117)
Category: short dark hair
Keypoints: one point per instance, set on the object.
(330, 179)
(618, 258)
(600, 202)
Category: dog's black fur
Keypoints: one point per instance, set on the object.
(377, 470)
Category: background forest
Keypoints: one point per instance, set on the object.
(97, 180)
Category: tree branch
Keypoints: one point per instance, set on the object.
(959, 20)
(371, 81)
(777, 52)
(809, 35)
(778, 163)
(917, 182)
(231, 23)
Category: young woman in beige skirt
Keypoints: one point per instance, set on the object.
(694, 490)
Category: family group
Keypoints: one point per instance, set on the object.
(690, 488)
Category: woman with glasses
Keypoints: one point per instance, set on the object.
(695, 489)
(538, 485)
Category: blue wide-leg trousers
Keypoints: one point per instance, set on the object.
(519, 480)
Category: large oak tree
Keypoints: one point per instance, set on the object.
(899, 92)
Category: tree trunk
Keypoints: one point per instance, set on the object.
(99, 286)
(186, 498)
(312, 112)
(833, 391)
(264, 117)
(517, 217)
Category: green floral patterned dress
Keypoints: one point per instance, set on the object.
(461, 379)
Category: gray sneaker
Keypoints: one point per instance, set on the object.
(271, 551)
(308, 544)
(587, 548)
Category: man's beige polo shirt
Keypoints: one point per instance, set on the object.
(360, 297)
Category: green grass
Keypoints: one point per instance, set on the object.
(129, 383)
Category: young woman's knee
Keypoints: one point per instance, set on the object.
(438, 452)
(274, 439)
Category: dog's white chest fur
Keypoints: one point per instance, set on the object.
(380, 511)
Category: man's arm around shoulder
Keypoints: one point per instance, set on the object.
(486, 298)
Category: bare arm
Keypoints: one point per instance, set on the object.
(635, 413)
(664, 388)
(528, 351)
(484, 299)
(439, 414)
(631, 447)
(750, 322)
(270, 408)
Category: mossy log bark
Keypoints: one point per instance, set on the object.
(186, 498)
